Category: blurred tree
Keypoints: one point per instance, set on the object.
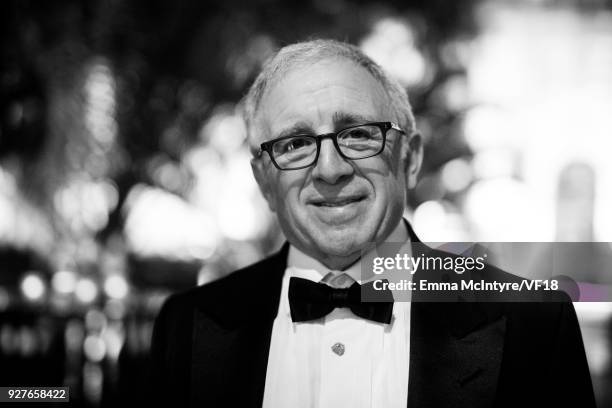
(173, 64)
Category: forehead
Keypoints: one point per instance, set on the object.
(320, 97)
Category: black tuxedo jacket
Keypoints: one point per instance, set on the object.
(210, 348)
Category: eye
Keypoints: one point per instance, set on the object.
(293, 144)
(298, 143)
(360, 135)
(357, 134)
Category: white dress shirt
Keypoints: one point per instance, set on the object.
(303, 370)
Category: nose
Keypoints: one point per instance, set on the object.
(331, 167)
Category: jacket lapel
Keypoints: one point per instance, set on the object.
(454, 358)
(231, 337)
(456, 349)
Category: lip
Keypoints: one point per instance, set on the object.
(336, 201)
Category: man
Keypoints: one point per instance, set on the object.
(334, 152)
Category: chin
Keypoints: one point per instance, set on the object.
(341, 243)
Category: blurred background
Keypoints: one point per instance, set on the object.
(125, 176)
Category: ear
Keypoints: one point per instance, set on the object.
(259, 171)
(414, 159)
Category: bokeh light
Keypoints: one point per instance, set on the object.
(457, 175)
(547, 102)
(33, 287)
(95, 321)
(100, 103)
(94, 348)
(64, 282)
(116, 287)
(86, 290)
(392, 44)
(505, 209)
(162, 224)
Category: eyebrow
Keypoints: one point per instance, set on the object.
(297, 128)
(343, 119)
(340, 120)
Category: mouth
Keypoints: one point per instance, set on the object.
(337, 201)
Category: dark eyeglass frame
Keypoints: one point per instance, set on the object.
(383, 126)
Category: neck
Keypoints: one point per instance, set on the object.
(340, 263)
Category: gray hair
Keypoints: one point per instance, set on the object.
(308, 52)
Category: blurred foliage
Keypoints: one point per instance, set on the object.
(174, 64)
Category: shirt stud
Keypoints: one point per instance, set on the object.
(338, 348)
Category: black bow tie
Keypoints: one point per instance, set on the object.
(310, 300)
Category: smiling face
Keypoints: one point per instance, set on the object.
(332, 210)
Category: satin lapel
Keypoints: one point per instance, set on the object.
(456, 350)
(455, 355)
(231, 346)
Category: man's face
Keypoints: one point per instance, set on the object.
(332, 210)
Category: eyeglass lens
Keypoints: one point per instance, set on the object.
(355, 143)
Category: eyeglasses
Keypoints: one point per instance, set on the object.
(352, 143)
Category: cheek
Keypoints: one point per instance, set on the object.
(390, 189)
(390, 194)
(286, 195)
